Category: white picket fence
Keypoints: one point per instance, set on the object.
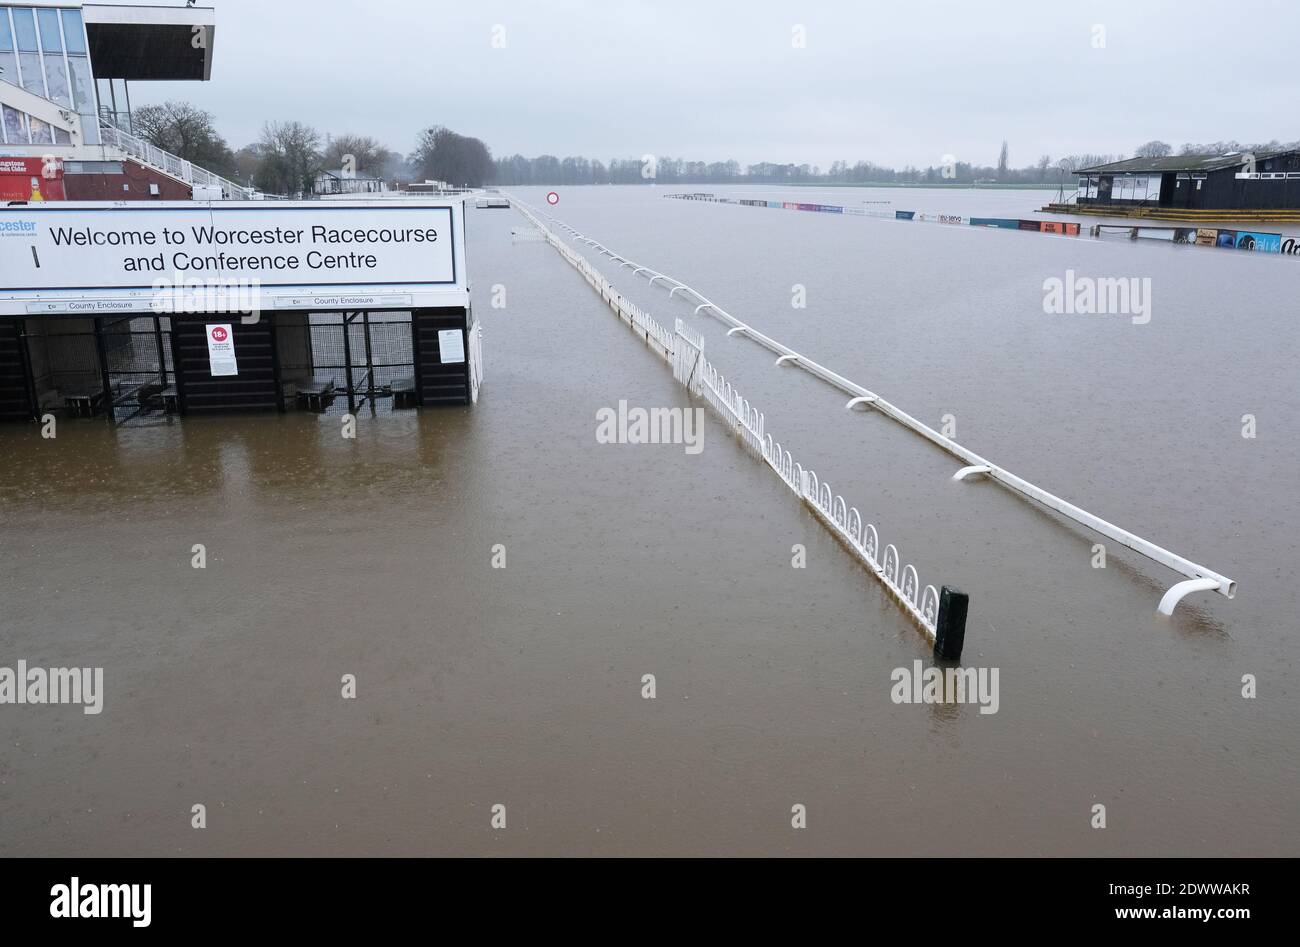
(683, 349)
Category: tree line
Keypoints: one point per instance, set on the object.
(550, 170)
(289, 155)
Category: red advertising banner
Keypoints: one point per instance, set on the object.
(31, 179)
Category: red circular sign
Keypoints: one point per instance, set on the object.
(219, 333)
(552, 198)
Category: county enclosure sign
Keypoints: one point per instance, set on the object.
(94, 259)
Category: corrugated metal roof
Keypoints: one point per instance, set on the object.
(1179, 163)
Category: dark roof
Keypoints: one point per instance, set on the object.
(137, 52)
(1179, 163)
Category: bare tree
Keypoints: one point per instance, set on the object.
(1079, 162)
(443, 155)
(361, 154)
(1002, 162)
(248, 161)
(1154, 149)
(186, 132)
(290, 157)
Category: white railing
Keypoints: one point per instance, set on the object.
(843, 520)
(688, 355)
(177, 167)
(683, 349)
(1199, 578)
(475, 360)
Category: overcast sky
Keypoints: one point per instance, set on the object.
(900, 82)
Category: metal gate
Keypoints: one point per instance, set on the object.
(118, 366)
(137, 358)
(363, 358)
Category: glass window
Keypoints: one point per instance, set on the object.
(92, 167)
(90, 130)
(56, 79)
(33, 81)
(61, 137)
(83, 92)
(6, 40)
(48, 19)
(15, 126)
(42, 134)
(74, 33)
(8, 65)
(25, 27)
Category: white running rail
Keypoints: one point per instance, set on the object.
(1199, 578)
(684, 350)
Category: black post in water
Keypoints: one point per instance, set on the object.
(370, 361)
(29, 372)
(102, 352)
(347, 358)
(950, 629)
(178, 372)
(275, 357)
(162, 356)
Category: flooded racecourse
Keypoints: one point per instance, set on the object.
(500, 582)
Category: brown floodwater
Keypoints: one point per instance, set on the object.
(522, 686)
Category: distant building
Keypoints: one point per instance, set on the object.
(66, 70)
(344, 182)
(1193, 185)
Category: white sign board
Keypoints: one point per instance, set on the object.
(221, 350)
(63, 257)
(451, 346)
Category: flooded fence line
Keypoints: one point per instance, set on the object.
(940, 615)
(1253, 241)
(1058, 227)
(1198, 577)
(1250, 240)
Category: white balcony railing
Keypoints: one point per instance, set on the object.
(169, 163)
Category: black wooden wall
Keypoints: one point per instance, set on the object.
(255, 388)
(15, 387)
(435, 382)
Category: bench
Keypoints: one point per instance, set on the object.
(315, 392)
(147, 396)
(84, 404)
(403, 390)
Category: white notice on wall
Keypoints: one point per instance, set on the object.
(221, 350)
(451, 346)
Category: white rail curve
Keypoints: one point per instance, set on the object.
(1200, 578)
(684, 350)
